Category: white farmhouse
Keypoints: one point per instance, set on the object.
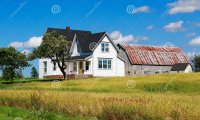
(92, 54)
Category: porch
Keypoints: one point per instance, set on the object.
(69, 76)
(78, 76)
(79, 66)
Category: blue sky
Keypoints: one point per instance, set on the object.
(149, 22)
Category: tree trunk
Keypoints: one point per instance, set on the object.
(12, 75)
(64, 74)
(62, 69)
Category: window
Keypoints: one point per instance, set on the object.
(45, 67)
(105, 47)
(54, 66)
(105, 63)
(75, 66)
(87, 66)
(100, 64)
(157, 72)
(146, 72)
(109, 64)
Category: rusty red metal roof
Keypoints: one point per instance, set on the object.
(154, 55)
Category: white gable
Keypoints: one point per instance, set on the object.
(75, 51)
(112, 54)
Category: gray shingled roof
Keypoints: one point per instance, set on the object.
(179, 67)
(85, 38)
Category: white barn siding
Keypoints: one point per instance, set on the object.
(188, 69)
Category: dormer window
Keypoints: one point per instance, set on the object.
(105, 47)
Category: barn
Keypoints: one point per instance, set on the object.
(145, 60)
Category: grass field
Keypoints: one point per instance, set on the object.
(156, 97)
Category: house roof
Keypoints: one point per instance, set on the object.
(154, 55)
(180, 67)
(84, 38)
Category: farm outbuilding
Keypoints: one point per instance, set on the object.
(144, 60)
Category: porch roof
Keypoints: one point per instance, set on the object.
(82, 57)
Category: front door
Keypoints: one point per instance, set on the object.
(80, 67)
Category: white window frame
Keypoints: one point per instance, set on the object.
(87, 65)
(54, 66)
(45, 67)
(105, 63)
(105, 47)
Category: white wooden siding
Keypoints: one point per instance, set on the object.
(112, 54)
(188, 69)
(50, 70)
(120, 67)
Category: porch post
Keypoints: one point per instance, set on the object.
(77, 67)
(84, 65)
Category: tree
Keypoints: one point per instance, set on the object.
(34, 73)
(6, 74)
(18, 74)
(196, 63)
(12, 60)
(55, 47)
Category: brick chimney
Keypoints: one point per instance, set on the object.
(68, 28)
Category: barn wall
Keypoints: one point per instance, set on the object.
(149, 69)
(188, 69)
(128, 67)
(131, 70)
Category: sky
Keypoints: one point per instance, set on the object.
(146, 22)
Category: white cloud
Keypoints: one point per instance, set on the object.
(195, 41)
(16, 44)
(192, 54)
(31, 43)
(141, 38)
(117, 37)
(144, 9)
(190, 34)
(25, 51)
(184, 6)
(150, 27)
(174, 26)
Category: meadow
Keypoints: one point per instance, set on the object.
(154, 97)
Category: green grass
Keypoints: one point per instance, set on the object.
(120, 98)
(12, 113)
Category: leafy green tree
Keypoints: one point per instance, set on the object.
(196, 63)
(18, 74)
(6, 74)
(34, 73)
(55, 47)
(12, 60)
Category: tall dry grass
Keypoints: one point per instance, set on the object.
(154, 97)
(105, 106)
